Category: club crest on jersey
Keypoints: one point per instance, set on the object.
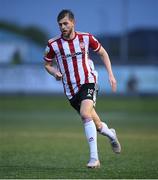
(82, 45)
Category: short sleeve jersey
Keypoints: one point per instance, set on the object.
(72, 57)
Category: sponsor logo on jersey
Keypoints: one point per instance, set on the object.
(72, 55)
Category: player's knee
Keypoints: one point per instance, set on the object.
(85, 114)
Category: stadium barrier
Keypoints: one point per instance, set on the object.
(35, 79)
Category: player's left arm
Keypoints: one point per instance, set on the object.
(106, 60)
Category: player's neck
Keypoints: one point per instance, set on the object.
(71, 36)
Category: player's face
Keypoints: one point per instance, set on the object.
(66, 26)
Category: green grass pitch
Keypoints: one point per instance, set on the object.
(43, 137)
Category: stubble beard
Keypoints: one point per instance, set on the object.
(68, 35)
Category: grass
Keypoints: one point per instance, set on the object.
(42, 137)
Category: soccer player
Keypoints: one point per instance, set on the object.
(70, 51)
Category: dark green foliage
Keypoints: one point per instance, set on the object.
(32, 32)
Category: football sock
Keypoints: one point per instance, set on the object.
(91, 135)
(106, 131)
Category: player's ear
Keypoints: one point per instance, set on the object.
(73, 21)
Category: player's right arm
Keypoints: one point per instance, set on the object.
(49, 56)
(52, 70)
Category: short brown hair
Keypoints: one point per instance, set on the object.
(65, 12)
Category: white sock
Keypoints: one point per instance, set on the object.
(91, 135)
(106, 131)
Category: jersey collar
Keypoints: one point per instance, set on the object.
(69, 39)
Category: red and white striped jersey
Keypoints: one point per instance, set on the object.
(73, 60)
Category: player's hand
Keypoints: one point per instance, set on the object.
(58, 76)
(113, 83)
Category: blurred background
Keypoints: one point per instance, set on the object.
(128, 29)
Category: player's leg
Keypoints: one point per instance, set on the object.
(102, 126)
(105, 131)
(96, 119)
(90, 131)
